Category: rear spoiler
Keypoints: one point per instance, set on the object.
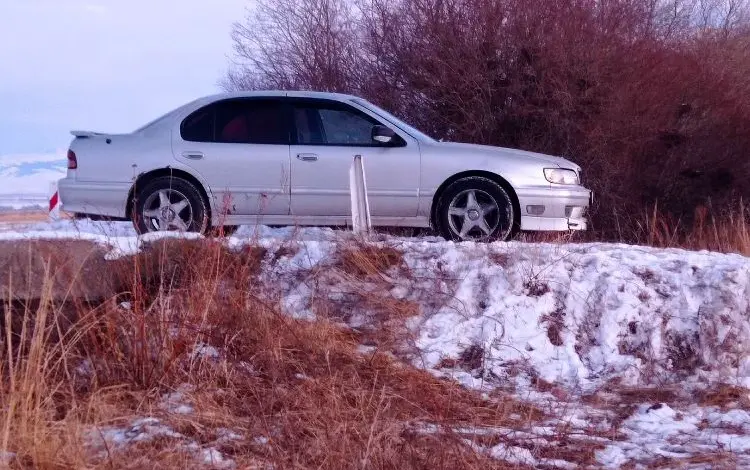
(86, 134)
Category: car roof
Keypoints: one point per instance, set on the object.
(290, 93)
(204, 100)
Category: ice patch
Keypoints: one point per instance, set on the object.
(202, 351)
(106, 439)
(140, 430)
(177, 402)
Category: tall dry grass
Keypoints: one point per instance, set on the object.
(37, 352)
(727, 233)
(298, 393)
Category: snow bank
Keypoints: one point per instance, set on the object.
(577, 315)
(659, 431)
(583, 314)
(508, 315)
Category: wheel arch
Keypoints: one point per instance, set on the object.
(147, 176)
(486, 174)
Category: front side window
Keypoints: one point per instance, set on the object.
(380, 112)
(327, 123)
(239, 121)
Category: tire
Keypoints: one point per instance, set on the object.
(491, 203)
(152, 214)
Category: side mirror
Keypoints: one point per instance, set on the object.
(383, 134)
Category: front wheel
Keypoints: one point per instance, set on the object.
(475, 208)
(170, 204)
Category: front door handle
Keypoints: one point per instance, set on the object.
(307, 157)
(193, 155)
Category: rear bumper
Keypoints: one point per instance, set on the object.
(550, 208)
(107, 199)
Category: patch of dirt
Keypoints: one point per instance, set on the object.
(555, 324)
(536, 288)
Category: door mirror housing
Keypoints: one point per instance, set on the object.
(383, 135)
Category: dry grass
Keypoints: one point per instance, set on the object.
(24, 216)
(364, 259)
(302, 386)
(298, 393)
(726, 396)
(727, 233)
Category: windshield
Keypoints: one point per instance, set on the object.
(393, 119)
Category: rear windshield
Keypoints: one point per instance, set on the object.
(164, 116)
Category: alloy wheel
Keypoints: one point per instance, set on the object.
(167, 209)
(473, 214)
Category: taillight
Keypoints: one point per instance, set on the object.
(72, 160)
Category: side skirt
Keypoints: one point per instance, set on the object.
(416, 222)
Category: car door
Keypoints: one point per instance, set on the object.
(241, 149)
(327, 135)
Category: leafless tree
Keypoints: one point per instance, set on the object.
(284, 44)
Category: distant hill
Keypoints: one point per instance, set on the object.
(25, 179)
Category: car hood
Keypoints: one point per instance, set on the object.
(503, 152)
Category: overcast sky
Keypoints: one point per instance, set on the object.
(105, 65)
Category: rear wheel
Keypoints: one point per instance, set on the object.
(170, 204)
(475, 208)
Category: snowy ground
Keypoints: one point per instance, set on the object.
(619, 344)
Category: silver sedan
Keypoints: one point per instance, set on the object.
(283, 158)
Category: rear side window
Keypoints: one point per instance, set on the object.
(199, 126)
(240, 121)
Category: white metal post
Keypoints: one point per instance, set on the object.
(360, 204)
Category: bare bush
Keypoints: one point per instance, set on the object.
(651, 97)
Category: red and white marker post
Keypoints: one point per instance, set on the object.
(54, 202)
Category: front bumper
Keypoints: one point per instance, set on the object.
(558, 208)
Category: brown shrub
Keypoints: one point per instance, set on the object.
(651, 98)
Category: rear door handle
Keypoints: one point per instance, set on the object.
(193, 155)
(307, 157)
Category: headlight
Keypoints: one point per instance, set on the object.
(560, 176)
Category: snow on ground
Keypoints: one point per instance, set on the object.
(25, 179)
(555, 324)
(103, 439)
(580, 315)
